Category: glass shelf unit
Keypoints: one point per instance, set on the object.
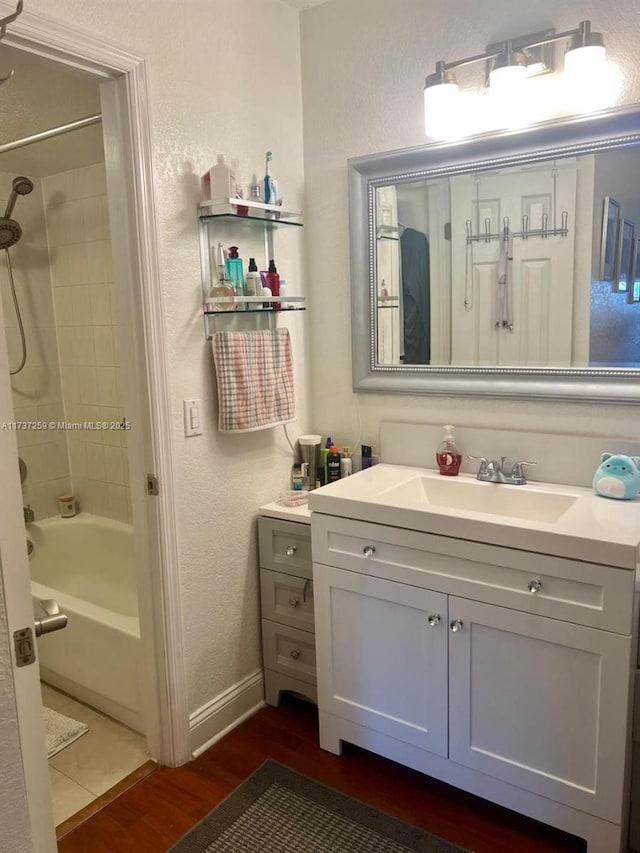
(221, 219)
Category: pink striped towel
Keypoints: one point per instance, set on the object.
(255, 380)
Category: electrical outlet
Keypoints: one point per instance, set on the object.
(192, 422)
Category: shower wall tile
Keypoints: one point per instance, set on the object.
(87, 331)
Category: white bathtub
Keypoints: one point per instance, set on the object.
(87, 564)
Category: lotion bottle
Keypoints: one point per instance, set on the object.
(273, 283)
(448, 456)
(346, 466)
(253, 282)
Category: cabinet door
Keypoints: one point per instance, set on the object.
(541, 704)
(381, 663)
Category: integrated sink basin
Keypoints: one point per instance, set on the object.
(471, 495)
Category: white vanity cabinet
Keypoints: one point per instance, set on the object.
(503, 672)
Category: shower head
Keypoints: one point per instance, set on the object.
(10, 233)
(20, 186)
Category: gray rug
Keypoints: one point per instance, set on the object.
(277, 810)
(60, 731)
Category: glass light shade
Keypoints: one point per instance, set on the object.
(440, 103)
(587, 60)
(507, 79)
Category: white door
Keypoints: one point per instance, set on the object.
(540, 704)
(542, 280)
(380, 661)
(16, 583)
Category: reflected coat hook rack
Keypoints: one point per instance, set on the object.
(4, 22)
(544, 230)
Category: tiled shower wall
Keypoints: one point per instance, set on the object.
(77, 224)
(37, 391)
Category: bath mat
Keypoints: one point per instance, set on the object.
(60, 731)
(277, 810)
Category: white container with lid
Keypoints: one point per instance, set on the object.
(219, 183)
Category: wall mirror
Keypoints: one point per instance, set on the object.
(503, 265)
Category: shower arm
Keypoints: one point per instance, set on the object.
(4, 22)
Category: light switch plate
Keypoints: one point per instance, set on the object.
(192, 420)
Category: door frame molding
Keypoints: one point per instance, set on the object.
(167, 713)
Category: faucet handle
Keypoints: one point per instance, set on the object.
(517, 474)
(484, 462)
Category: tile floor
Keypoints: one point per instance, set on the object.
(95, 762)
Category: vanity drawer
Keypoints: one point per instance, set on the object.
(570, 590)
(285, 546)
(289, 650)
(287, 599)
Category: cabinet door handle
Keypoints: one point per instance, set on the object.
(369, 550)
(534, 586)
(295, 653)
(433, 619)
(291, 550)
(294, 602)
(456, 625)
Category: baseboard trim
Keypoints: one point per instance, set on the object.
(223, 713)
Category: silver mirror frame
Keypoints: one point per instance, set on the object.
(611, 129)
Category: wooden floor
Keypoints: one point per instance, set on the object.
(154, 813)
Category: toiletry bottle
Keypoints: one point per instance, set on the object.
(233, 267)
(346, 466)
(333, 464)
(223, 286)
(273, 283)
(268, 185)
(222, 180)
(325, 453)
(252, 282)
(254, 191)
(448, 456)
(283, 292)
(367, 461)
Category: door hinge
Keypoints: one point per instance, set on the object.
(24, 647)
(447, 230)
(153, 487)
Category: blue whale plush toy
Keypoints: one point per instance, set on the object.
(617, 476)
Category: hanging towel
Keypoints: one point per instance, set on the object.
(416, 297)
(504, 307)
(255, 379)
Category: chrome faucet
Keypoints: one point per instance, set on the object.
(29, 514)
(492, 471)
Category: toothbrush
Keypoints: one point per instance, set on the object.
(268, 182)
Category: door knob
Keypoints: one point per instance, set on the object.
(433, 619)
(294, 602)
(456, 625)
(369, 550)
(291, 550)
(55, 619)
(534, 586)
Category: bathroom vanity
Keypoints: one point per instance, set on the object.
(483, 634)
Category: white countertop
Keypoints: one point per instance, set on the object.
(287, 513)
(593, 529)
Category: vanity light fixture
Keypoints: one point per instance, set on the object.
(510, 63)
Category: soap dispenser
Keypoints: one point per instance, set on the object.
(448, 456)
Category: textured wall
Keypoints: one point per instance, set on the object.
(368, 98)
(224, 77)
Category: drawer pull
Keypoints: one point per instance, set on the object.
(294, 602)
(369, 550)
(291, 550)
(295, 653)
(534, 586)
(433, 619)
(456, 625)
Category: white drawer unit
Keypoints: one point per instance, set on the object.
(287, 607)
(502, 671)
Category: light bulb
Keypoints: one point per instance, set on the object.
(440, 107)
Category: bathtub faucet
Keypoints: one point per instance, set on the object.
(29, 514)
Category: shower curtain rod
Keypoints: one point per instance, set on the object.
(53, 131)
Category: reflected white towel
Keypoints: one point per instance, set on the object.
(504, 301)
(255, 379)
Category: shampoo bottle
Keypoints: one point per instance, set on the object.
(333, 464)
(273, 283)
(448, 456)
(253, 282)
(233, 267)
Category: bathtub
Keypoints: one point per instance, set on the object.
(87, 564)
